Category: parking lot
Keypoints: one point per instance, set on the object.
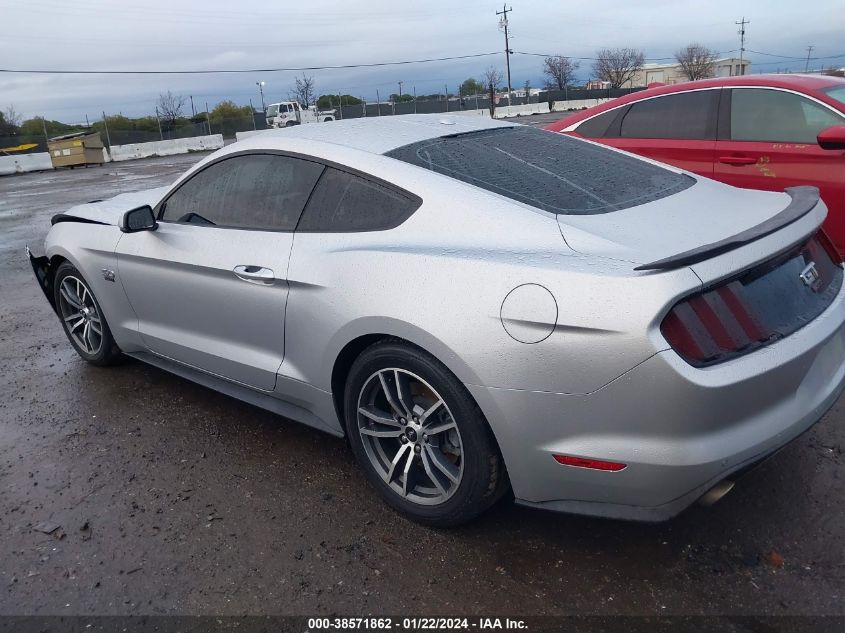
(173, 499)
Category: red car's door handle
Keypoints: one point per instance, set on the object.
(737, 160)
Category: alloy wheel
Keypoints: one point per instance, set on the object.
(80, 315)
(410, 436)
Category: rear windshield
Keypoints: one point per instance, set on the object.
(550, 171)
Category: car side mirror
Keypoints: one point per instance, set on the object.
(832, 137)
(139, 219)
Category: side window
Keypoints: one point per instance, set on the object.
(597, 127)
(777, 116)
(684, 115)
(343, 202)
(259, 191)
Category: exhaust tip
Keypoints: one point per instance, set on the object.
(716, 492)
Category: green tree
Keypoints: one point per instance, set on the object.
(401, 98)
(471, 87)
(35, 127)
(229, 110)
(327, 102)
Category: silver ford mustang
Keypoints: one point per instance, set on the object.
(479, 307)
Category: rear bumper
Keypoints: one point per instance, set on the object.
(41, 268)
(680, 430)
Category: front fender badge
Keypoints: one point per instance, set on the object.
(108, 275)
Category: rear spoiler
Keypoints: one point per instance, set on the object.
(804, 200)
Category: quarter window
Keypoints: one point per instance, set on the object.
(776, 116)
(344, 202)
(597, 127)
(685, 115)
(260, 191)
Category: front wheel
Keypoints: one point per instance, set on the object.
(420, 437)
(82, 318)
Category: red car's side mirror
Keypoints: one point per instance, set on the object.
(832, 137)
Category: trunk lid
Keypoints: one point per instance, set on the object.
(705, 214)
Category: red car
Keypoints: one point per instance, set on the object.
(759, 132)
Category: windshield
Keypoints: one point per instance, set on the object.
(550, 171)
(837, 92)
(273, 110)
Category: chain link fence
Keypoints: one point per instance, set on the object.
(119, 130)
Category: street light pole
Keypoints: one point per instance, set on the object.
(260, 85)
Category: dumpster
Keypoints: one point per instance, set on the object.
(79, 148)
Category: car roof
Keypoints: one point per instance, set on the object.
(376, 135)
(798, 82)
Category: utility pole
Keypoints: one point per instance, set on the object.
(194, 112)
(415, 99)
(809, 52)
(106, 128)
(260, 85)
(400, 88)
(158, 120)
(741, 26)
(503, 22)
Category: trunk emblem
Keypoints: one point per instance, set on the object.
(810, 276)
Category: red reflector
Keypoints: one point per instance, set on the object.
(595, 464)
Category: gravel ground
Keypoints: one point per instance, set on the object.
(173, 499)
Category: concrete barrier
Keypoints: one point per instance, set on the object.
(24, 162)
(166, 148)
(504, 111)
(576, 104)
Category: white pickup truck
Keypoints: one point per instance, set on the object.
(288, 113)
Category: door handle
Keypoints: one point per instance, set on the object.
(255, 274)
(737, 160)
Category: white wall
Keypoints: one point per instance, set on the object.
(24, 162)
(166, 148)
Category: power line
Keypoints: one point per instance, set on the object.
(241, 70)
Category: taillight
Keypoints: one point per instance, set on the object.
(709, 327)
(756, 307)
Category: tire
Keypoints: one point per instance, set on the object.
(441, 466)
(289, 124)
(81, 315)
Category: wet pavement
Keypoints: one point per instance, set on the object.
(172, 499)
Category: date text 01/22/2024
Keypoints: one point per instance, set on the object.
(414, 624)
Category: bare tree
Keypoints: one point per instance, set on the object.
(12, 116)
(170, 106)
(560, 72)
(697, 61)
(304, 91)
(618, 65)
(491, 79)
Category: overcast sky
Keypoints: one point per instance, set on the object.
(212, 34)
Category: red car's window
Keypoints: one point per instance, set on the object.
(597, 127)
(683, 115)
(837, 92)
(760, 114)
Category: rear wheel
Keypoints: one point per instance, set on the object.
(82, 318)
(420, 438)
